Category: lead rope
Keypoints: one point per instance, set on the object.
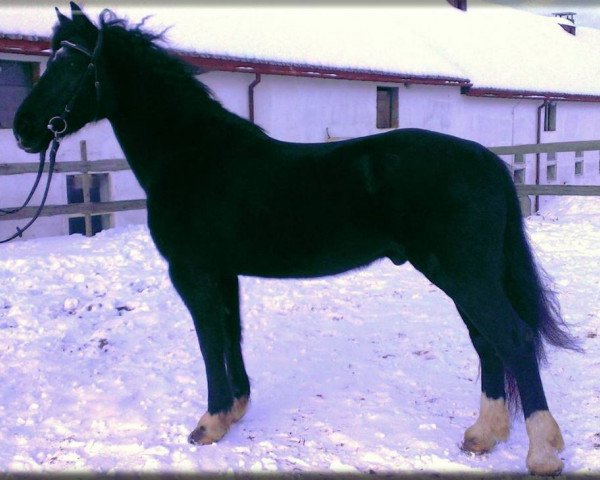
(38, 177)
(53, 150)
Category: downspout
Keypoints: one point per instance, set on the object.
(251, 97)
(538, 140)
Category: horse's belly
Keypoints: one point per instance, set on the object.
(310, 260)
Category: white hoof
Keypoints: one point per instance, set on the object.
(545, 440)
(491, 427)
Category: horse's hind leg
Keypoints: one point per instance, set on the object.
(492, 314)
(492, 425)
(468, 269)
(234, 360)
(205, 297)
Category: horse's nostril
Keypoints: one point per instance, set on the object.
(24, 127)
(27, 133)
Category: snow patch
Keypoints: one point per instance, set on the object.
(370, 371)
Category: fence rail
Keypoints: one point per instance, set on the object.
(525, 190)
(88, 208)
(110, 165)
(555, 147)
(581, 190)
(79, 209)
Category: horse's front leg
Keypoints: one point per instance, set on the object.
(205, 297)
(234, 360)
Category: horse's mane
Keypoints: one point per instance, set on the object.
(144, 46)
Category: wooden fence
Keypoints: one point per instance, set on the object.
(88, 208)
(524, 190)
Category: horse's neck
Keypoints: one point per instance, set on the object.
(160, 123)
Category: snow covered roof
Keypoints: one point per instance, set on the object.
(492, 49)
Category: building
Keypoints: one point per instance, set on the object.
(487, 73)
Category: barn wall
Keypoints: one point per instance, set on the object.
(312, 110)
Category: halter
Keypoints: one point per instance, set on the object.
(58, 126)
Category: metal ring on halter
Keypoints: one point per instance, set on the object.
(55, 130)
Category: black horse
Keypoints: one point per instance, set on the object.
(225, 199)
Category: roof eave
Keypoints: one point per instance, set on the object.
(35, 46)
(227, 64)
(24, 44)
(40, 46)
(528, 94)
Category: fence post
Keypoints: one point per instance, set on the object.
(525, 202)
(86, 183)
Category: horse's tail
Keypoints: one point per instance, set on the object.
(526, 285)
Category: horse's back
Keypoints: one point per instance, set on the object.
(286, 209)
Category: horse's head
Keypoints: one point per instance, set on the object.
(67, 94)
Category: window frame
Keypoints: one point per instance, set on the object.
(32, 75)
(386, 114)
(550, 113)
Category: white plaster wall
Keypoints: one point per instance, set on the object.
(300, 109)
(231, 89)
(308, 110)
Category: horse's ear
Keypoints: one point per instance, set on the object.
(75, 9)
(63, 20)
(79, 17)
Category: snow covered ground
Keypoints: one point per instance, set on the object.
(370, 371)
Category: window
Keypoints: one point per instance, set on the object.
(387, 107)
(99, 192)
(16, 80)
(551, 173)
(551, 169)
(549, 117)
(519, 176)
(579, 162)
(519, 158)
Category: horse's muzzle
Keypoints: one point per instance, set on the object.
(27, 148)
(30, 134)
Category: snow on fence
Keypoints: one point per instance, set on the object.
(89, 208)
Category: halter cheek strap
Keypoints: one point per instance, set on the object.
(58, 124)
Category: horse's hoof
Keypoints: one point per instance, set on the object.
(480, 438)
(492, 426)
(545, 440)
(545, 465)
(476, 444)
(210, 428)
(199, 437)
